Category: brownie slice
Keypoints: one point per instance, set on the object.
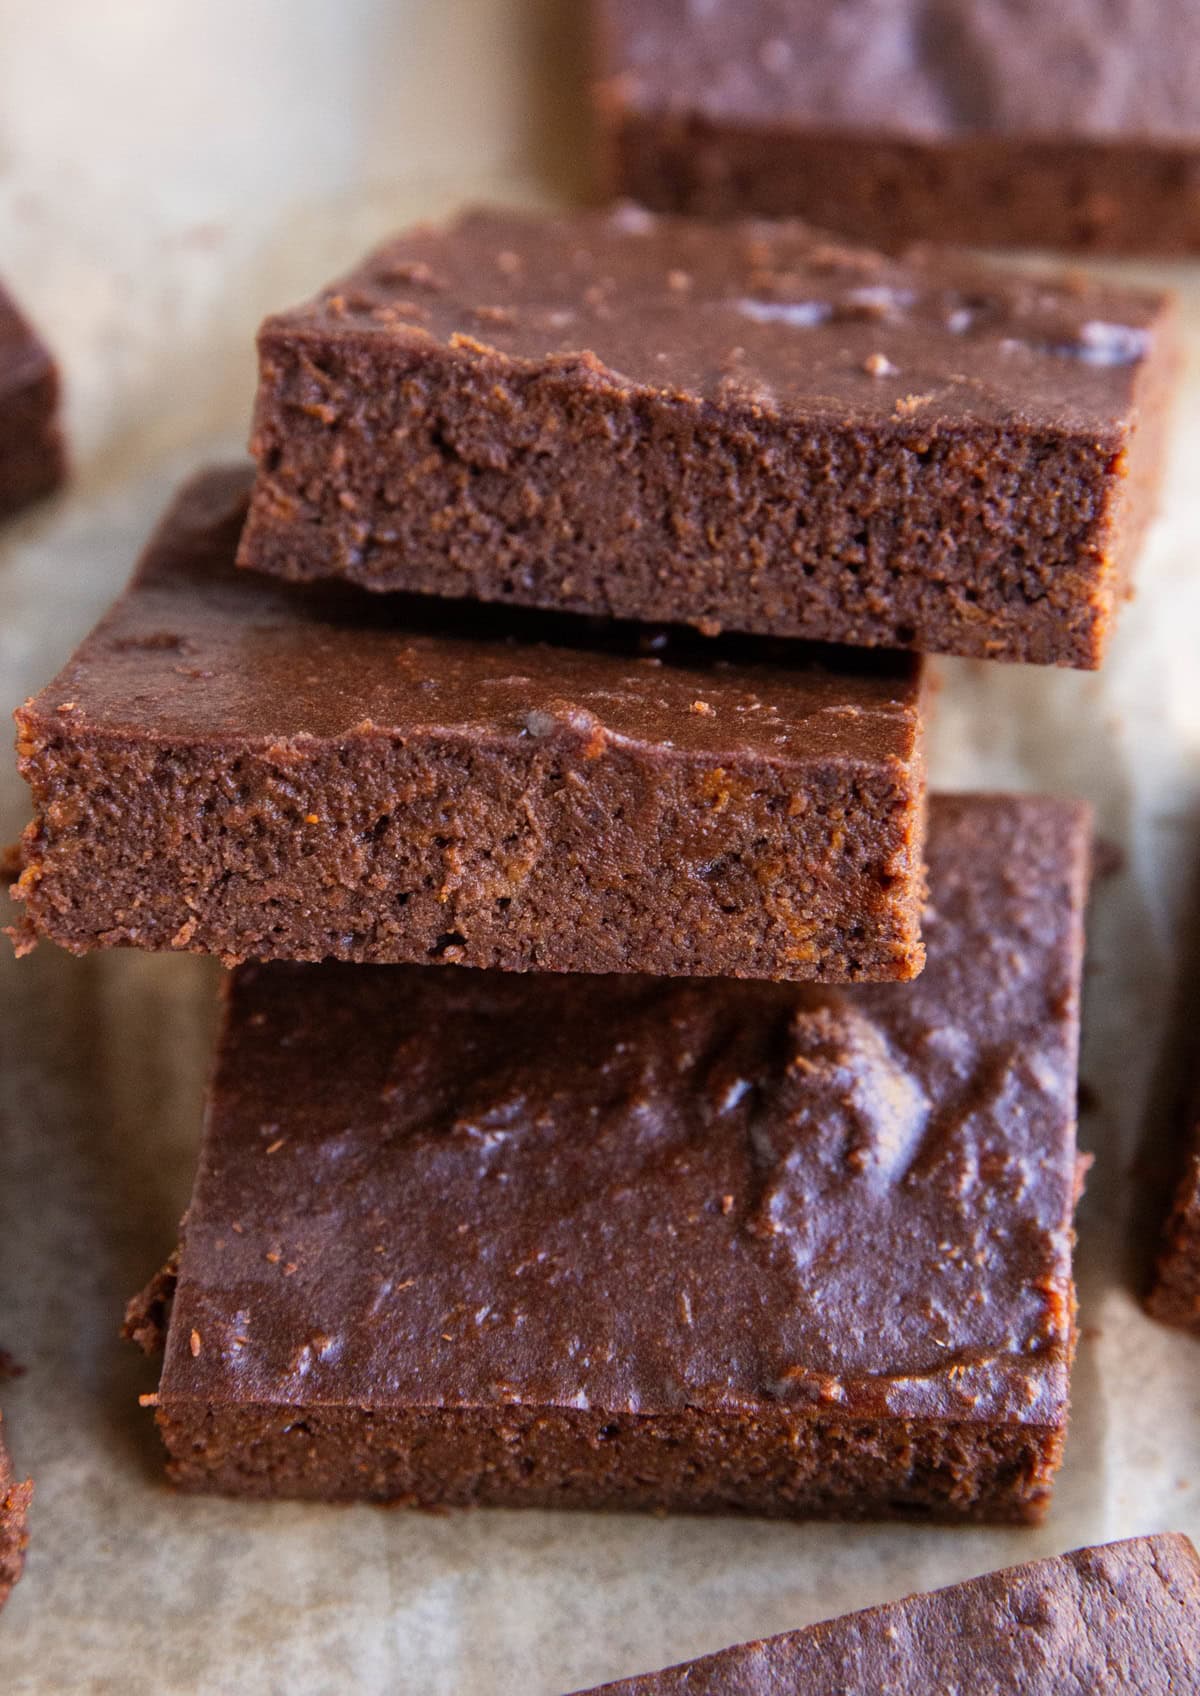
(237, 767)
(1124, 1617)
(32, 462)
(14, 1509)
(1075, 124)
(750, 427)
(463, 1237)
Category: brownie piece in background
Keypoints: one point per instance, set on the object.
(1074, 124)
(472, 1238)
(238, 767)
(15, 1498)
(1174, 1294)
(32, 461)
(1120, 1618)
(750, 427)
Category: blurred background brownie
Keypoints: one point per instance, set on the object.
(473, 1238)
(1073, 124)
(32, 462)
(749, 427)
(1110, 1621)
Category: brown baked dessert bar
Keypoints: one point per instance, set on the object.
(1175, 1291)
(14, 1510)
(1120, 1618)
(748, 427)
(464, 1237)
(256, 771)
(1074, 124)
(31, 451)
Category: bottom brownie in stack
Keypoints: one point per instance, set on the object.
(464, 1237)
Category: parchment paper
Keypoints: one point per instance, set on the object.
(168, 172)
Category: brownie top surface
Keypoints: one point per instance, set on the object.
(23, 358)
(1122, 1617)
(1072, 68)
(198, 650)
(469, 1188)
(755, 318)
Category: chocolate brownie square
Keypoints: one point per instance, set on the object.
(469, 1238)
(242, 768)
(750, 427)
(1120, 1618)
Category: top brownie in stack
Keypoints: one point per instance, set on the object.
(745, 426)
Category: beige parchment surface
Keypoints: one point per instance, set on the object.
(168, 172)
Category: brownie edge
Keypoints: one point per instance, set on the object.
(1119, 1618)
(609, 1241)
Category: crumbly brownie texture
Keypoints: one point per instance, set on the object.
(1072, 125)
(1175, 1293)
(238, 767)
(14, 1509)
(1120, 1618)
(464, 1238)
(749, 427)
(31, 450)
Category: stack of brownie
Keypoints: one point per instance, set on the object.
(697, 1192)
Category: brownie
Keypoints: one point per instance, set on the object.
(1120, 1618)
(1074, 124)
(31, 450)
(236, 766)
(14, 1509)
(1174, 1294)
(750, 427)
(463, 1237)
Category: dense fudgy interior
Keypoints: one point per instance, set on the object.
(778, 1464)
(525, 856)
(748, 426)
